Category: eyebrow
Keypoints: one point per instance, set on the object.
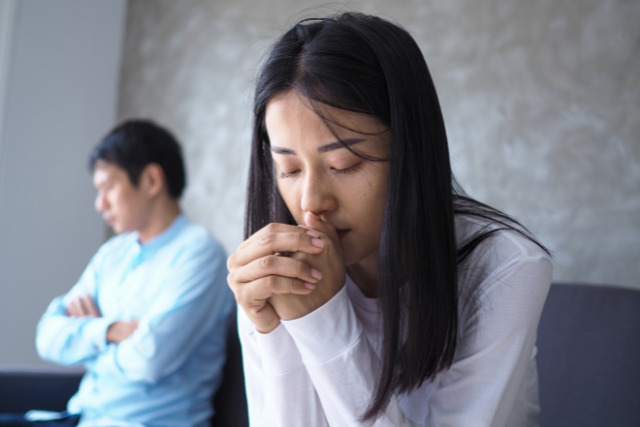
(336, 145)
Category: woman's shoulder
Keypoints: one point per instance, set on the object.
(506, 271)
(502, 251)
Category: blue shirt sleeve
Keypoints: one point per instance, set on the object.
(175, 287)
(194, 298)
(71, 340)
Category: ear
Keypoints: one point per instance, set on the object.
(152, 179)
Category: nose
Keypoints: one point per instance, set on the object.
(318, 194)
(99, 203)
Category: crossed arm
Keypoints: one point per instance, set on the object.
(84, 306)
(193, 305)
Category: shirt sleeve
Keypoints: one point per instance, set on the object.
(493, 356)
(195, 303)
(495, 351)
(491, 363)
(72, 340)
(341, 363)
(279, 390)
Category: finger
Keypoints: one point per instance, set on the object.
(258, 309)
(84, 305)
(75, 308)
(274, 227)
(277, 285)
(276, 238)
(90, 306)
(254, 295)
(264, 317)
(70, 309)
(276, 265)
(315, 223)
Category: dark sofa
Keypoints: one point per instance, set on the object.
(21, 391)
(588, 364)
(589, 357)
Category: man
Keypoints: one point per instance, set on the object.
(149, 315)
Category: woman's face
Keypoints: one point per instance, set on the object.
(316, 173)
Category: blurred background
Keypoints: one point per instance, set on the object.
(541, 102)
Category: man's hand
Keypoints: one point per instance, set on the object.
(83, 306)
(120, 331)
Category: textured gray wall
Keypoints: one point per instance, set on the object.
(541, 101)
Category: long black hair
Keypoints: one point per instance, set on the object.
(366, 64)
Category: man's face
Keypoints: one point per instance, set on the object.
(124, 207)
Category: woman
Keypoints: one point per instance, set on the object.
(373, 291)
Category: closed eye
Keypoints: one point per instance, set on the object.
(350, 169)
(284, 175)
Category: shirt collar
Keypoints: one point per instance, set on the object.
(163, 238)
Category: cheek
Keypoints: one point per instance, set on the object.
(122, 204)
(114, 200)
(372, 196)
(291, 198)
(381, 188)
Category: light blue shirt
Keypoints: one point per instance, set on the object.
(164, 374)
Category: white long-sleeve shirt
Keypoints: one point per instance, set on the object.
(321, 369)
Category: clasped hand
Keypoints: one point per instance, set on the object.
(285, 271)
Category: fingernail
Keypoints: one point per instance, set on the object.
(309, 285)
(313, 233)
(316, 274)
(317, 243)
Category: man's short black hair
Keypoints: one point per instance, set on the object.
(134, 144)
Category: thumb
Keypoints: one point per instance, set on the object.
(314, 222)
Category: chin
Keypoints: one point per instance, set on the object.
(355, 256)
(117, 229)
(350, 259)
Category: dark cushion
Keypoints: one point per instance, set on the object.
(589, 357)
(21, 391)
(230, 401)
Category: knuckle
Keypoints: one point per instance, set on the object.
(238, 294)
(231, 280)
(231, 261)
(298, 256)
(293, 283)
(303, 270)
(299, 238)
(266, 262)
(271, 282)
(236, 287)
(253, 310)
(242, 295)
(270, 228)
(267, 239)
